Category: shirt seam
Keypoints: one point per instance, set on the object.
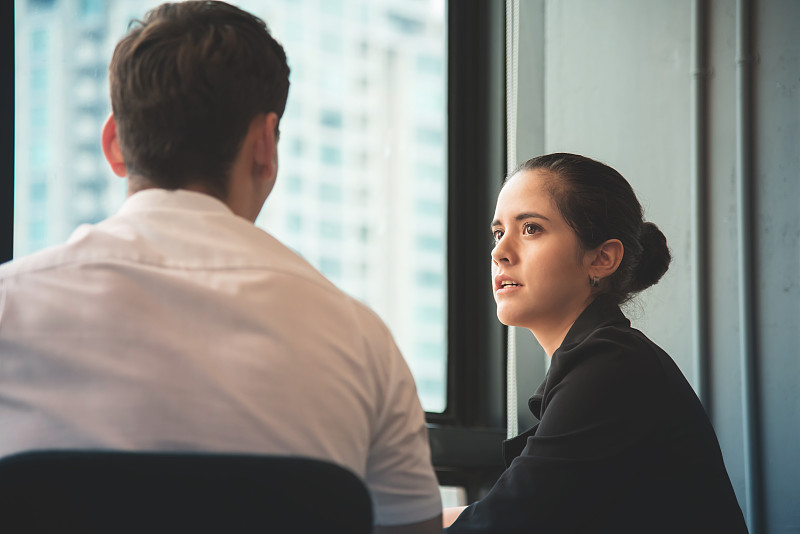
(329, 287)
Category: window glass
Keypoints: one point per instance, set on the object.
(362, 185)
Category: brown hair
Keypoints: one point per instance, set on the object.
(599, 204)
(186, 82)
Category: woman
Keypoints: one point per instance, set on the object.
(623, 444)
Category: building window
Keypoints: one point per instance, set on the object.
(39, 41)
(331, 230)
(91, 7)
(294, 184)
(330, 192)
(430, 279)
(41, 5)
(427, 136)
(330, 155)
(331, 118)
(429, 207)
(430, 243)
(330, 267)
(294, 221)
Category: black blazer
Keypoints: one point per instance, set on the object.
(623, 445)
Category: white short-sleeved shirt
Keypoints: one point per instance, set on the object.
(177, 325)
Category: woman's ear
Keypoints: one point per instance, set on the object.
(605, 259)
(111, 148)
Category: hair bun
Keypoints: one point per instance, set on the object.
(655, 258)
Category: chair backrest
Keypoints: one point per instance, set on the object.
(143, 492)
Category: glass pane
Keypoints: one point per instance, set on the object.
(453, 496)
(362, 186)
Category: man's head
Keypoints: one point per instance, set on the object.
(186, 84)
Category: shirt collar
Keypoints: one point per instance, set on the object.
(600, 313)
(156, 198)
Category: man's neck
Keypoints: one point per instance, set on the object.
(139, 183)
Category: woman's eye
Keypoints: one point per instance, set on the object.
(530, 228)
(497, 235)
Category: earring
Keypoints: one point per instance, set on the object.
(594, 281)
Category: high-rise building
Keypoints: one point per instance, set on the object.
(362, 186)
(61, 102)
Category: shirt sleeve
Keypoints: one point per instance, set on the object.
(400, 474)
(587, 444)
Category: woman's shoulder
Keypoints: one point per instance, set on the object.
(611, 379)
(616, 350)
(602, 336)
(613, 366)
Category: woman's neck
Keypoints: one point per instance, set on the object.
(551, 335)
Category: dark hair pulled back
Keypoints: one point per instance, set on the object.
(599, 204)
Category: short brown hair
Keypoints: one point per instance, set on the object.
(186, 82)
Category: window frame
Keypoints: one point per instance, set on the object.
(7, 144)
(466, 438)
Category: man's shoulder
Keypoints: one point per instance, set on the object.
(41, 260)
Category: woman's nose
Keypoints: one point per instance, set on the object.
(500, 252)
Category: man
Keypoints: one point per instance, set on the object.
(176, 324)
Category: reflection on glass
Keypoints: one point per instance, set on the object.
(361, 191)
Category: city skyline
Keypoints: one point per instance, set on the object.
(361, 191)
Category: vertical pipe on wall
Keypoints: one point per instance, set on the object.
(699, 163)
(745, 59)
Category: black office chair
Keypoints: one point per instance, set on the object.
(91, 492)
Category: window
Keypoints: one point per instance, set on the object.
(294, 222)
(429, 279)
(428, 314)
(331, 8)
(39, 41)
(330, 192)
(342, 72)
(429, 64)
(330, 267)
(331, 231)
(38, 119)
(38, 80)
(331, 155)
(428, 207)
(91, 7)
(330, 118)
(430, 243)
(294, 183)
(427, 136)
(34, 5)
(38, 193)
(296, 145)
(331, 43)
(38, 230)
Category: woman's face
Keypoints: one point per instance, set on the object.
(540, 274)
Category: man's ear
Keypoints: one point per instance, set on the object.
(111, 148)
(605, 259)
(265, 152)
